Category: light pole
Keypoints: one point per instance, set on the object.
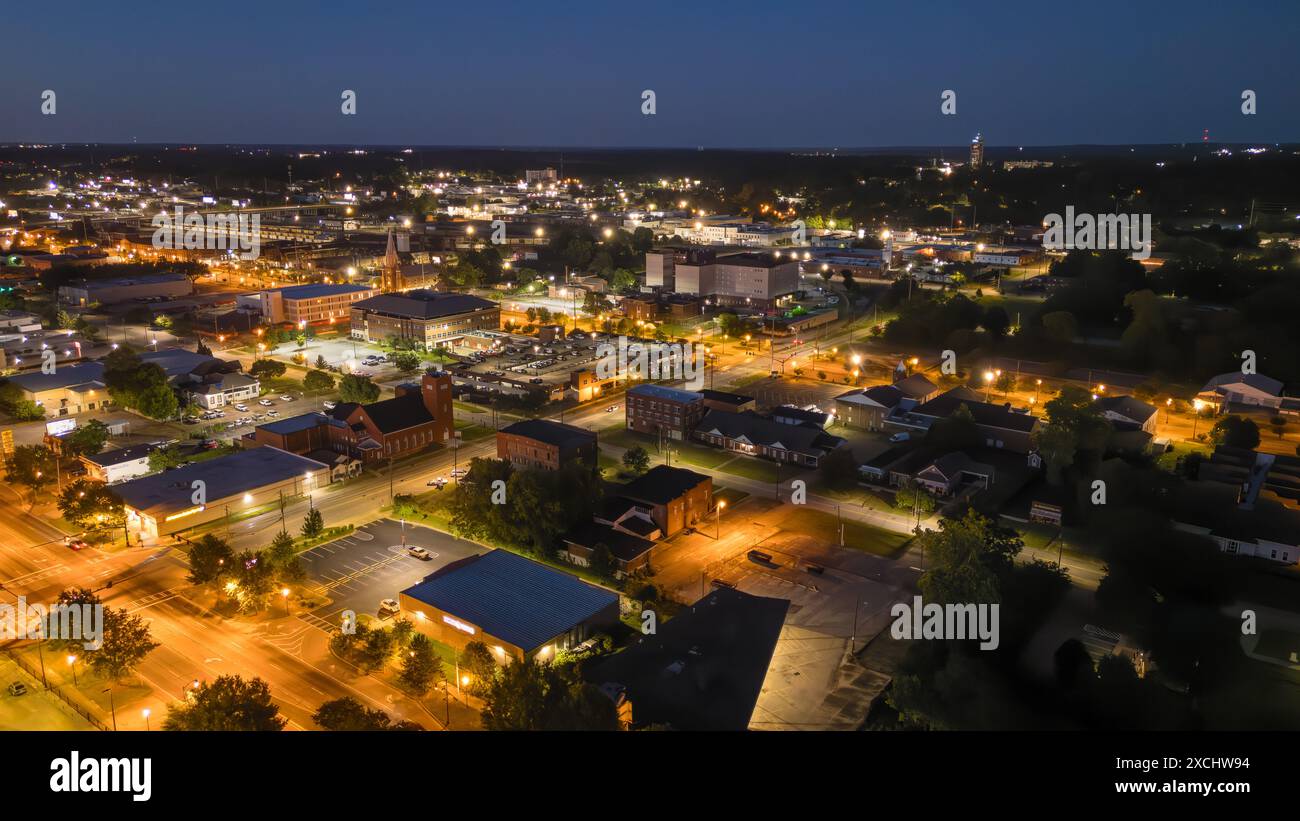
(72, 662)
(988, 386)
(284, 594)
(146, 712)
(111, 707)
(1196, 415)
(721, 504)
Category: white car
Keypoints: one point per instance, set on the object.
(286, 398)
(266, 403)
(419, 553)
(388, 608)
(436, 482)
(273, 413)
(328, 405)
(459, 473)
(241, 407)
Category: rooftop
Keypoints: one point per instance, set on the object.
(512, 598)
(425, 304)
(662, 484)
(552, 433)
(321, 289)
(664, 393)
(702, 670)
(223, 477)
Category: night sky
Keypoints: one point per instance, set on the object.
(754, 74)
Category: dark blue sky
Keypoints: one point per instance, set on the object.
(752, 74)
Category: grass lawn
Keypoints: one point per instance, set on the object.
(759, 470)
(729, 495)
(825, 527)
(468, 407)
(685, 452)
(1169, 459)
(470, 432)
(854, 495)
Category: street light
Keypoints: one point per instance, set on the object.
(722, 503)
(284, 594)
(988, 385)
(72, 662)
(145, 712)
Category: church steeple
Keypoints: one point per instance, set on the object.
(392, 273)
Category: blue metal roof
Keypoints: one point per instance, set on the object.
(664, 392)
(293, 424)
(513, 598)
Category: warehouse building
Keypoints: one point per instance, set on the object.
(518, 608)
(168, 502)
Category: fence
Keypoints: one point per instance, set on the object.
(58, 691)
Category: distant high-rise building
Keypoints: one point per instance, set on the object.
(391, 277)
(546, 176)
(977, 151)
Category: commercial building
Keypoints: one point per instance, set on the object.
(201, 492)
(428, 318)
(70, 390)
(758, 280)
(663, 411)
(311, 304)
(702, 670)
(540, 443)
(120, 464)
(1245, 389)
(1128, 413)
(83, 292)
(518, 608)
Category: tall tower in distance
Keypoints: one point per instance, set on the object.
(391, 278)
(977, 151)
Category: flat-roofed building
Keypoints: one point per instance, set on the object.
(430, 319)
(119, 464)
(540, 443)
(312, 304)
(200, 492)
(83, 292)
(518, 608)
(663, 411)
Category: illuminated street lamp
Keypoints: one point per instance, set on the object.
(988, 385)
(721, 505)
(72, 662)
(284, 594)
(1168, 403)
(146, 712)
(1197, 405)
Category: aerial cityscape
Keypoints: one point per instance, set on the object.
(977, 426)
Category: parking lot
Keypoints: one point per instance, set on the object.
(371, 564)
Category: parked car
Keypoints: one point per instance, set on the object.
(389, 608)
(266, 403)
(419, 553)
(273, 413)
(328, 405)
(17, 688)
(286, 398)
(900, 437)
(241, 407)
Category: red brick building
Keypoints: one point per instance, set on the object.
(539, 443)
(418, 417)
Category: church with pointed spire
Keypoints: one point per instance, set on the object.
(391, 277)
